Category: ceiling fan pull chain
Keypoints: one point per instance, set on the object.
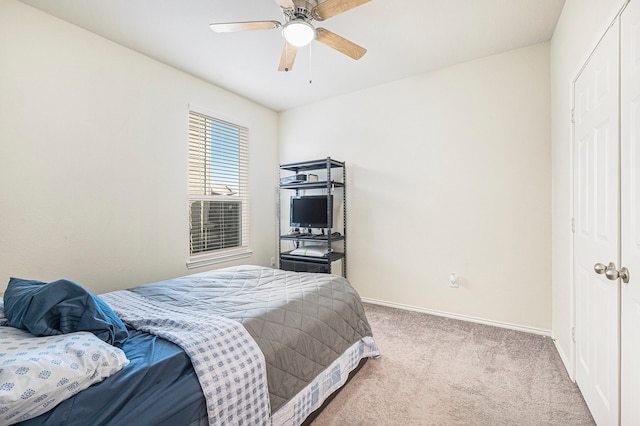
(310, 79)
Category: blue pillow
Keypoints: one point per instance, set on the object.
(60, 307)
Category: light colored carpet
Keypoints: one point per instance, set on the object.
(439, 371)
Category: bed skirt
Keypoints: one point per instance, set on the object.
(322, 387)
(294, 412)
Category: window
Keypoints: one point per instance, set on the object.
(218, 190)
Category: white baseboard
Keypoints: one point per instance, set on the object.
(525, 329)
(565, 360)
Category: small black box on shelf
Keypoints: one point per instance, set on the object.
(292, 265)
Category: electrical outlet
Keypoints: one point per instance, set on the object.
(453, 280)
(273, 262)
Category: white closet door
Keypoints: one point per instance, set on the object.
(630, 150)
(596, 238)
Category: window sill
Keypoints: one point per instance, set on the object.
(213, 258)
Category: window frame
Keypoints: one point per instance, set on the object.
(197, 260)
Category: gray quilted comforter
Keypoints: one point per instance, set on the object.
(301, 322)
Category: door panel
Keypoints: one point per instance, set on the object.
(630, 185)
(596, 238)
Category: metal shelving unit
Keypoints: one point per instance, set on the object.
(336, 243)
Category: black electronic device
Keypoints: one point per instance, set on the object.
(310, 211)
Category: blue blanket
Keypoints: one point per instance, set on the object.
(60, 307)
(157, 388)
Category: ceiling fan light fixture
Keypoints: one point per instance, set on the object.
(298, 33)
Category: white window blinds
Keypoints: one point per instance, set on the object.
(218, 186)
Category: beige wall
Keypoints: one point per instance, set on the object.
(93, 157)
(581, 25)
(448, 171)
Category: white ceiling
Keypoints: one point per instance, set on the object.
(402, 38)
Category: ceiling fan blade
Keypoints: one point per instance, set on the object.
(332, 8)
(288, 56)
(286, 4)
(231, 27)
(340, 44)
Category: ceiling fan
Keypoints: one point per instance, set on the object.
(298, 30)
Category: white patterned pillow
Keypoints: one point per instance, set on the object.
(38, 373)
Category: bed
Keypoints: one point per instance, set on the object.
(240, 345)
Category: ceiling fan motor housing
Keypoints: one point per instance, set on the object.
(302, 11)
